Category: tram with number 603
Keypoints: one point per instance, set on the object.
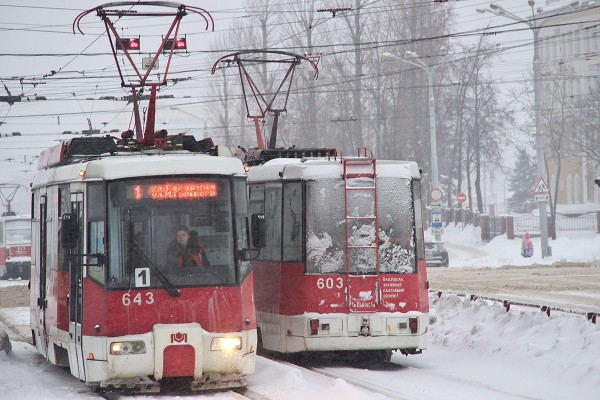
(343, 269)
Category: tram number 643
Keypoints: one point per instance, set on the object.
(330, 283)
(137, 299)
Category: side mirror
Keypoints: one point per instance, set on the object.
(259, 230)
(69, 231)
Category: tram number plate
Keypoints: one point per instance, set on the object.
(142, 277)
(330, 283)
(139, 298)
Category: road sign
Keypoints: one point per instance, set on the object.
(146, 61)
(461, 197)
(436, 197)
(436, 219)
(544, 197)
(541, 187)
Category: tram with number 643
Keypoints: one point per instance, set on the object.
(106, 300)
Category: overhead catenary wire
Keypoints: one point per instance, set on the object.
(332, 83)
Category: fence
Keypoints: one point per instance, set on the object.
(580, 222)
(517, 225)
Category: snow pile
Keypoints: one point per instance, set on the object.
(562, 349)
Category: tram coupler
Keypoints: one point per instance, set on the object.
(365, 327)
(215, 380)
(131, 385)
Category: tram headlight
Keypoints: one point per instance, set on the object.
(226, 343)
(124, 348)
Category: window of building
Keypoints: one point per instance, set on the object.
(577, 189)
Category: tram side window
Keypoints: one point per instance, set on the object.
(257, 204)
(418, 219)
(49, 220)
(273, 216)
(1, 233)
(396, 225)
(293, 217)
(64, 204)
(325, 227)
(241, 221)
(96, 232)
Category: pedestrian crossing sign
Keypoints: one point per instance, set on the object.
(541, 187)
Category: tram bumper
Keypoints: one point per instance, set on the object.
(340, 332)
(212, 360)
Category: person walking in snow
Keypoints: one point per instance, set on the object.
(526, 246)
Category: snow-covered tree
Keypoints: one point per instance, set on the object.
(522, 179)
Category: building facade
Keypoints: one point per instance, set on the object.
(569, 51)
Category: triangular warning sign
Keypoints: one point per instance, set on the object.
(541, 187)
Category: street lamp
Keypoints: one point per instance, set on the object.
(192, 115)
(413, 59)
(535, 27)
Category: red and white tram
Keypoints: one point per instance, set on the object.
(15, 246)
(344, 264)
(106, 300)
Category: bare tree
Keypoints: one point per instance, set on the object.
(485, 121)
(559, 126)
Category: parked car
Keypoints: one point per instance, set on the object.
(436, 254)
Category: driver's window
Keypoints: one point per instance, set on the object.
(96, 215)
(96, 246)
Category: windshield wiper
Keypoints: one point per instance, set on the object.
(144, 260)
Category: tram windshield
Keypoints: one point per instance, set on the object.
(175, 231)
(326, 227)
(18, 231)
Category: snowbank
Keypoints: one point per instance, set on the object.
(524, 350)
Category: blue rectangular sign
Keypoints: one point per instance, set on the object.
(436, 219)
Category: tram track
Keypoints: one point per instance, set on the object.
(370, 379)
(234, 394)
(363, 384)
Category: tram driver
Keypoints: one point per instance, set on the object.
(186, 250)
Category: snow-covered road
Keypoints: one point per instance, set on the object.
(477, 350)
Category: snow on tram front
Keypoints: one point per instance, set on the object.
(140, 267)
(344, 264)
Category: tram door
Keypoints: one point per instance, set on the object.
(76, 286)
(42, 251)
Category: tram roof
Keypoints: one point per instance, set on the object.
(313, 169)
(123, 166)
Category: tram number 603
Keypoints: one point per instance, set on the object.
(330, 283)
(137, 299)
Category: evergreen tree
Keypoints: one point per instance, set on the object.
(522, 181)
